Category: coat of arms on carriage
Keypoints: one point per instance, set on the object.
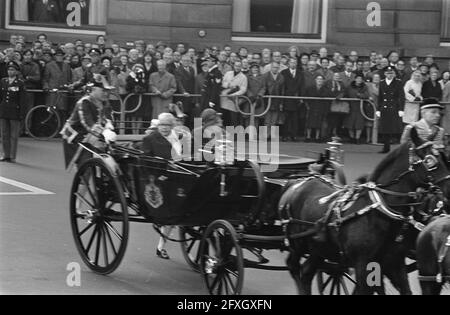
(153, 194)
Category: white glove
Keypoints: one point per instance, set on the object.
(211, 104)
(109, 125)
(110, 136)
(379, 114)
(401, 113)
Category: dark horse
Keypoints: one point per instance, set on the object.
(433, 256)
(358, 226)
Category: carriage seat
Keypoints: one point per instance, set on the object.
(135, 141)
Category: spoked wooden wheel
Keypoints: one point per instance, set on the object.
(335, 280)
(222, 260)
(191, 238)
(99, 217)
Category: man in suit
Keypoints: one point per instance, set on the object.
(292, 87)
(391, 102)
(12, 111)
(164, 85)
(57, 74)
(185, 76)
(348, 76)
(274, 85)
(47, 11)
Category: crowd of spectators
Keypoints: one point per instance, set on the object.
(219, 74)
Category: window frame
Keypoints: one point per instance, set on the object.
(37, 27)
(319, 38)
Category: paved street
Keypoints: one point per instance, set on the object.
(36, 243)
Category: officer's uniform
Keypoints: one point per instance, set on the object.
(86, 124)
(391, 101)
(12, 111)
(426, 132)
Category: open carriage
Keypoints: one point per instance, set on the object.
(220, 209)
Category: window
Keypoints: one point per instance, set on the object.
(67, 15)
(280, 19)
(445, 23)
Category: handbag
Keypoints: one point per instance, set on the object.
(340, 107)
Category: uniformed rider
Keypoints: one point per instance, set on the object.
(428, 128)
(90, 123)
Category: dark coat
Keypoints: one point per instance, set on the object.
(158, 146)
(429, 90)
(274, 87)
(12, 99)
(212, 88)
(31, 75)
(390, 101)
(355, 120)
(50, 12)
(292, 87)
(317, 109)
(148, 72)
(3, 70)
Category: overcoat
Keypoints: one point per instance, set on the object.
(391, 100)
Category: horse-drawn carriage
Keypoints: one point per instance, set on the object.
(223, 208)
(220, 208)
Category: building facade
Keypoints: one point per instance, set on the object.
(415, 27)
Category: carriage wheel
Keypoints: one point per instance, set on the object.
(99, 217)
(190, 247)
(222, 260)
(335, 281)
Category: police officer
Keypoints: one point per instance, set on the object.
(12, 111)
(391, 102)
(428, 127)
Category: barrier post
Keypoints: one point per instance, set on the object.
(253, 132)
(122, 115)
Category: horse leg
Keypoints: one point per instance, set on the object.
(308, 272)
(361, 274)
(430, 288)
(293, 264)
(399, 279)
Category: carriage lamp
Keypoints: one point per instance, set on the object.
(335, 152)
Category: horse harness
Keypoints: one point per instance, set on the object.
(345, 197)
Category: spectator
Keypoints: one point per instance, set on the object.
(31, 75)
(3, 70)
(75, 61)
(294, 52)
(235, 84)
(413, 95)
(393, 58)
(384, 63)
(340, 65)
(12, 111)
(373, 59)
(255, 93)
(133, 58)
(401, 71)
(222, 65)
(317, 109)
(200, 83)
(82, 75)
(374, 93)
(228, 50)
(412, 67)
(314, 56)
(432, 88)
(355, 121)
(185, 75)
(339, 109)
(425, 71)
(444, 79)
(164, 85)
(348, 76)
(292, 87)
(353, 58)
(42, 37)
(273, 85)
(446, 101)
(309, 76)
(245, 66)
(366, 71)
(57, 74)
(325, 69)
(276, 57)
(136, 84)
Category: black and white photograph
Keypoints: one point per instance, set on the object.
(197, 149)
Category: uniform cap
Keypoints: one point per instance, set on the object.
(14, 65)
(430, 103)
